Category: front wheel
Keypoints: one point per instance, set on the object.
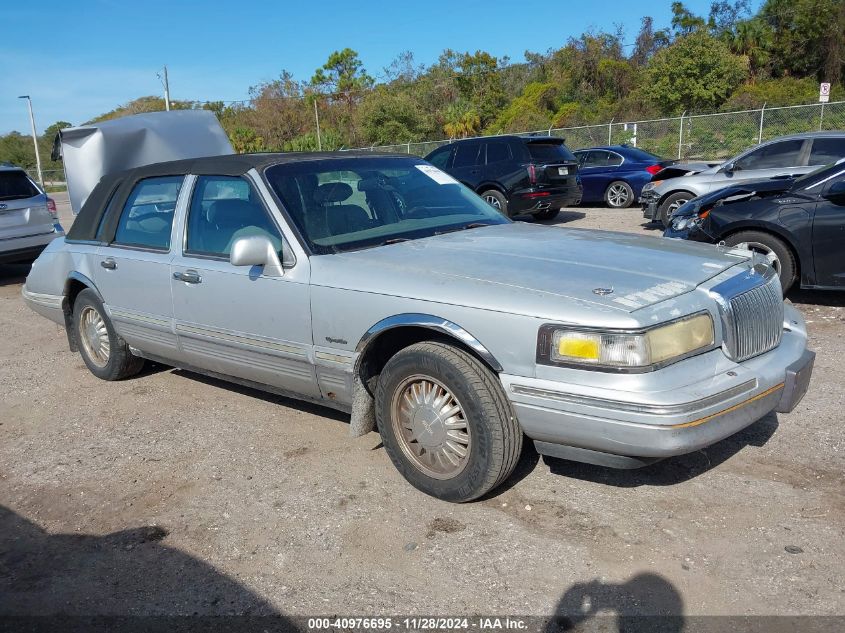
(445, 422)
(619, 195)
(497, 200)
(671, 204)
(776, 252)
(105, 353)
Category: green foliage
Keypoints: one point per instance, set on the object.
(342, 73)
(697, 71)
(778, 92)
(389, 115)
(532, 110)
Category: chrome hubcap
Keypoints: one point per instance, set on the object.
(763, 250)
(431, 427)
(94, 336)
(617, 195)
(493, 201)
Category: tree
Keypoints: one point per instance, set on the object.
(806, 37)
(461, 121)
(480, 84)
(697, 71)
(390, 116)
(684, 22)
(342, 73)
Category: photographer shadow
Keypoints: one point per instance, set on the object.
(646, 602)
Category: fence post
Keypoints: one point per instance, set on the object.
(760, 134)
(610, 130)
(409, 146)
(550, 130)
(821, 117)
(681, 134)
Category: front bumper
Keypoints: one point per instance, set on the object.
(714, 399)
(650, 201)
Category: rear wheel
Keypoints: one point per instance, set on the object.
(546, 214)
(619, 195)
(671, 204)
(497, 200)
(105, 353)
(445, 422)
(774, 249)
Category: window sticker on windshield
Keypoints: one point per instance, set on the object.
(436, 175)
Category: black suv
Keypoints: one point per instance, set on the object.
(515, 174)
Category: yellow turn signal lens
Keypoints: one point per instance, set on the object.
(578, 346)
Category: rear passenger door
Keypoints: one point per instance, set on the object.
(133, 272)
(234, 320)
(467, 163)
(826, 151)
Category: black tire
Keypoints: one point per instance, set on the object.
(619, 187)
(769, 245)
(495, 436)
(672, 202)
(546, 215)
(497, 200)
(119, 362)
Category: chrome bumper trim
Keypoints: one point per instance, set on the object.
(637, 407)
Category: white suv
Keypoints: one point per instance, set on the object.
(28, 220)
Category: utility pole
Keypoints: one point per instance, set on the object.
(166, 84)
(34, 139)
(166, 91)
(317, 118)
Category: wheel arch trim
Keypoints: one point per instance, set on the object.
(427, 321)
(85, 281)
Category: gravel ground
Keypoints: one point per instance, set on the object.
(171, 493)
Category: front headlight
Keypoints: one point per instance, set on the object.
(641, 350)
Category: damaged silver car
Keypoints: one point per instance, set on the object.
(378, 285)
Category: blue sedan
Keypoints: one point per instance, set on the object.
(616, 174)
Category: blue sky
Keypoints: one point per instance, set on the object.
(79, 58)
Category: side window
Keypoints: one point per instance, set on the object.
(613, 159)
(827, 151)
(466, 155)
(581, 156)
(596, 158)
(440, 157)
(783, 154)
(147, 216)
(498, 152)
(224, 208)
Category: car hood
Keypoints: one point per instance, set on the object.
(529, 269)
(741, 191)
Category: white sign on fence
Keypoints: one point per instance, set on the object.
(824, 93)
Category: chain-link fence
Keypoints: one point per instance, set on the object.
(690, 136)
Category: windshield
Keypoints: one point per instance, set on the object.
(14, 185)
(342, 204)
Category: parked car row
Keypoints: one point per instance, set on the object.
(381, 286)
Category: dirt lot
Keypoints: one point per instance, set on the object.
(173, 493)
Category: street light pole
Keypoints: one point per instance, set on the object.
(34, 139)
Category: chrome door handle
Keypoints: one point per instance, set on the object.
(108, 263)
(189, 276)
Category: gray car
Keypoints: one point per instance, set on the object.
(793, 155)
(28, 219)
(378, 285)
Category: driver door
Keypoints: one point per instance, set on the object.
(829, 234)
(235, 320)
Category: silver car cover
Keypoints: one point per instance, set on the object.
(89, 152)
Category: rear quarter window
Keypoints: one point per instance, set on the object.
(15, 185)
(550, 152)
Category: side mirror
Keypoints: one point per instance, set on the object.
(728, 168)
(836, 193)
(256, 250)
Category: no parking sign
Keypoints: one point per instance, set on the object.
(824, 93)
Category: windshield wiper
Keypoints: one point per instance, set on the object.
(471, 225)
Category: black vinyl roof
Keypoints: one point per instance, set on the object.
(113, 189)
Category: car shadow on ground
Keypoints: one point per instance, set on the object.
(831, 298)
(653, 226)
(674, 470)
(645, 602)
(11, 274)
(267, 396)
(133, 572)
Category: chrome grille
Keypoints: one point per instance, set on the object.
(751, 307)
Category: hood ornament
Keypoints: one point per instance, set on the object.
(602, 291)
